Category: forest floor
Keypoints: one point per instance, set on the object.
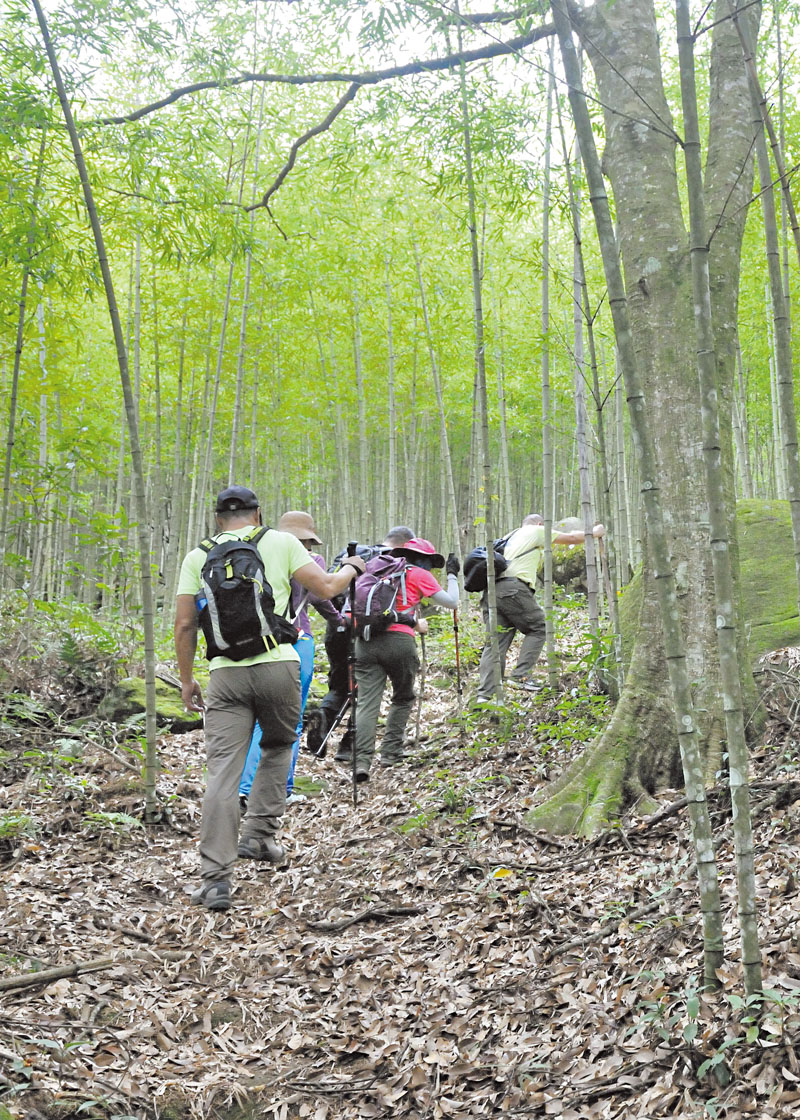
(424, 954)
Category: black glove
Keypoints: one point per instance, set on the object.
(452, 566)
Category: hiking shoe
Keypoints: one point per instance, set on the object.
(529, 685)
(264, 848)
(294, 798)
(316, 729)
(396, 760)
(362, 775)
(213, 895)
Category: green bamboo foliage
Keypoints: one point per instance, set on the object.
(486, 487)
(781, 324)
(143, 527)
(14, 389)
(548, 468)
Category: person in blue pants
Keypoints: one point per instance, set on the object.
(301, 525)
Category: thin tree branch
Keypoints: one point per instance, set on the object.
(723, 19)
(496, 17)
(791, 172)
(47, 975)
(376, 913)
(301, 140)
(370, 77)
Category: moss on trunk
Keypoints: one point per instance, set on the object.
(636, 755)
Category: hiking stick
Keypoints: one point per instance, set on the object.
(459, 686)
(351, 672)
(337, 719)
(606, 574)
(421, 689)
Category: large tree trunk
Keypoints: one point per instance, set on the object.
(638, 753)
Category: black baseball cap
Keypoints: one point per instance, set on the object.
(236, 497)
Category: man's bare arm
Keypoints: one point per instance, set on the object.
(328, 584)
(185, 648)
(577, 536)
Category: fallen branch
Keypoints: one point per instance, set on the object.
(609, 927)
(126, 930)
(60, 972)
(681, 803)
(670, 810)
(380, 913)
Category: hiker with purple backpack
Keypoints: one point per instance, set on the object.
(323, 721)
(390, 651)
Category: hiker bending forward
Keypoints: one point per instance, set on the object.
(337, 647)
(517, 608)
(393, 654)
(263, 687)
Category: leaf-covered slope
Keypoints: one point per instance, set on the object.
(423, 955)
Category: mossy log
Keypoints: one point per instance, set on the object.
(619, 768)
(127, 699)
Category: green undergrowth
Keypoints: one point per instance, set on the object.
(60, 657)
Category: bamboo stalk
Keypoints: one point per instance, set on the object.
(725, 592)
(658, 543)
(143, 527)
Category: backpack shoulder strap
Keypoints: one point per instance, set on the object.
(207, 544)
(525, 551)
(504, 543)
(255, 537)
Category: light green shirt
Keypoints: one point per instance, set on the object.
(524, 553)
(282, 554)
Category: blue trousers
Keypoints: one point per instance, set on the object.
(305, 650)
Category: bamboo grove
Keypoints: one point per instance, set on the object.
(319, 348)
(362, 258)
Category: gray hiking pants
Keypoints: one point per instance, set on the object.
(517, 609)
(392, 656)
(236, 697)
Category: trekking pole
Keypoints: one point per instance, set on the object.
(606, 575)
(322, 749)
(421, 689)
(351, 672)
(459, 686)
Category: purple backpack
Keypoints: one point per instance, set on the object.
(376, 592)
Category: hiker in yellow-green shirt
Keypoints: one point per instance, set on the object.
(517, 607)
(264, 686)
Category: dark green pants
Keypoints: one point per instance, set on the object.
(391, 656)
(517, 609)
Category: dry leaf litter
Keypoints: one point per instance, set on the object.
(422, 955)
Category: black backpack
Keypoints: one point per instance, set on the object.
(476, 567)
(237, 607)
